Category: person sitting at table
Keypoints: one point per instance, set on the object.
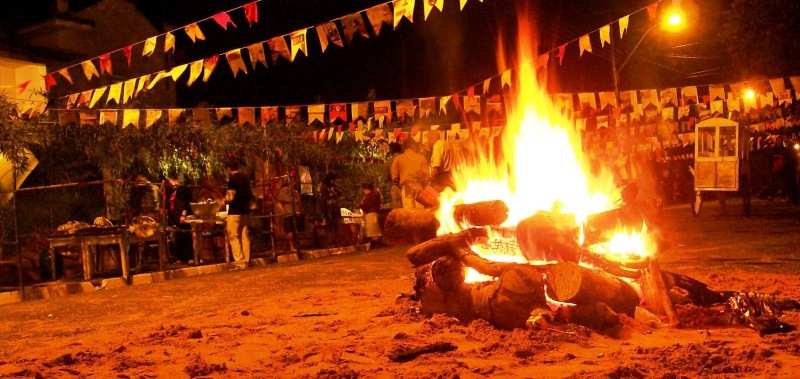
(178, 199)
(239, 197)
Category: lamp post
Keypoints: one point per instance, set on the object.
(673, 21)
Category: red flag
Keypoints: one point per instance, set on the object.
(337, 111)
(251, 12)
(561, 51)
(651, 11)
(49, 82)
(128, 51)
(24, 85)
(223, 19)
(105, 63)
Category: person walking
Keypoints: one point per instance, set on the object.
(410, 172)
(239, 196)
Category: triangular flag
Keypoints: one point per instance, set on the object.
(209, 64)
(151, 116)
(128, 52)
(195, 69)
(359, 111)
(428, 5)
(605, 35)
(505, 78)
(543, 61)
(105, 63)
(279, 49)
(443, 104)
(169, 42)
(89, 70)
(64, 72)
(149, 46)
(97, 95)
(778, 85)
(562, 51)
(268, 115)
(236, 62)
(157, 78)
(298, 40)
(251, 12)
(130, 117)
(623, 25)
(247, 116)
(427, 105)
(353, 25)
(224, 112)
(114, 93)
(403, 9)
(256, 53)
(585, 44)
(337, 112)
(177, 71)
(380, 15)
(49, 82)
(651, 11)
(173, 115)
(223, 19)
(84, 98)
(194, 32)
(129, 88)
(72, 99)
(329, 34)
(316, 112)
(461, 4)
(108, 117)
(143, 80)
(486, 85)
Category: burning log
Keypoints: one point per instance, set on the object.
(448, 245)
(507, 302)
(571, 283)
(484, 213)
(409, 226)
(440, 288)
(654, 291)
(548, 236)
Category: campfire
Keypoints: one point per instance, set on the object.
(535, 235)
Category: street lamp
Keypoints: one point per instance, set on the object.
(673, 21)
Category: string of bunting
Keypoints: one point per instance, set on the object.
(332, 33)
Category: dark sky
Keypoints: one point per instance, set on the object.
(431, 58)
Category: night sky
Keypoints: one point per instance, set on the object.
(436, 57)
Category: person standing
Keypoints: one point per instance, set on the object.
(178, 201)
(370, 205)
(239, 196)
(396, 200)
(441, 163)
(410, 172)
(330, 195)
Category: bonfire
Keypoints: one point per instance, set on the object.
(535, 236)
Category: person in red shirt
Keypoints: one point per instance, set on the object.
(370, 205)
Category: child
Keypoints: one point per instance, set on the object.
(370, 205)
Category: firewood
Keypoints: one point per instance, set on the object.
(548, 236)
(655, 293)
(507, 302)
(404, 226)
(629, 270)
(698, 292)
(597, 316)
(452, 297)
(405, 354)
(484, 213)
(447, 245)
(485, 266)
(571, 283)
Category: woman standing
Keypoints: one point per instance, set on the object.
(370, 205)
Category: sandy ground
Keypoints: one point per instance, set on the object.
(340, 318)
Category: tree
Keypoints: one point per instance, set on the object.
(762, 36)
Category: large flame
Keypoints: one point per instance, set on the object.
(541, 166)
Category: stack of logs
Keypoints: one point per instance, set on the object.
(518, 295)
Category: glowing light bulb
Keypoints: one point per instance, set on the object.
(749, 94)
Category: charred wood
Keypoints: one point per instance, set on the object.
(481, 214)
(405, 226)
(448, 245)
(571, 283)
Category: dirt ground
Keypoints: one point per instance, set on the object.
(340, 317)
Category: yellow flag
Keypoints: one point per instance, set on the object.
(623, 25)
(89, 70)
(157, 78)
(585, 44)
(605, 35)
(256, 52)
(151, 116)
(403, 9)
(169, 42)
(236, 62)
(130, 117)
(209, 64)
(224, 112)
(247, 116)
(143, 80)
(114, 93)
(428, 5)
(109, 117)
(149, 46)
(505, 78)
(195, 69)
(194, 32)
(462, 3)
(298, 40)
(130, 87)
(174, 114)
(97, 95)
(177, 71)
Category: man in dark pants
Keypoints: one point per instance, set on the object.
(239, 197)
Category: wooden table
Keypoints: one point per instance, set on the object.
(88, 244)
(198, 227)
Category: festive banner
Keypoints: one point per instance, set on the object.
(149, 46)
(328, 34)
(380, 15)
(105, 64)
(143, 81)
(195, 70)
(623, 25)
(353, 25)
(209, 64)
(194, 32)
(173, 115)
(562, 51)
(669, 97)
(443, 101)
(472, 104)
(505, 79)
(151, 116)
(298, 40)
(405, 110)
(427, 107)
(716, 92)
(84, 98)
(292, 114)
(247, 116)
(689, 95)
(127, 51)
(607, 99)
(222, 113)
(461, 4)
(89, 70)
(157, 78)
(108, 117)
(177, 71)
(649, 97)
(201, 117)
(257, 55)
(428, 5)
(778, 85)
(223, 19)
(130, 117)
(268, 115)
(337, 112)
(359, 111)
(605, 35)
(584, 44)
(564, 103)
(65, 74)
(129, 88)
(236, 62)
(97, 95)
(403, 9)
(279, 49)
(587, 102)
(251, 13)
(87, 118)
(383, 111)
(169, 42)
